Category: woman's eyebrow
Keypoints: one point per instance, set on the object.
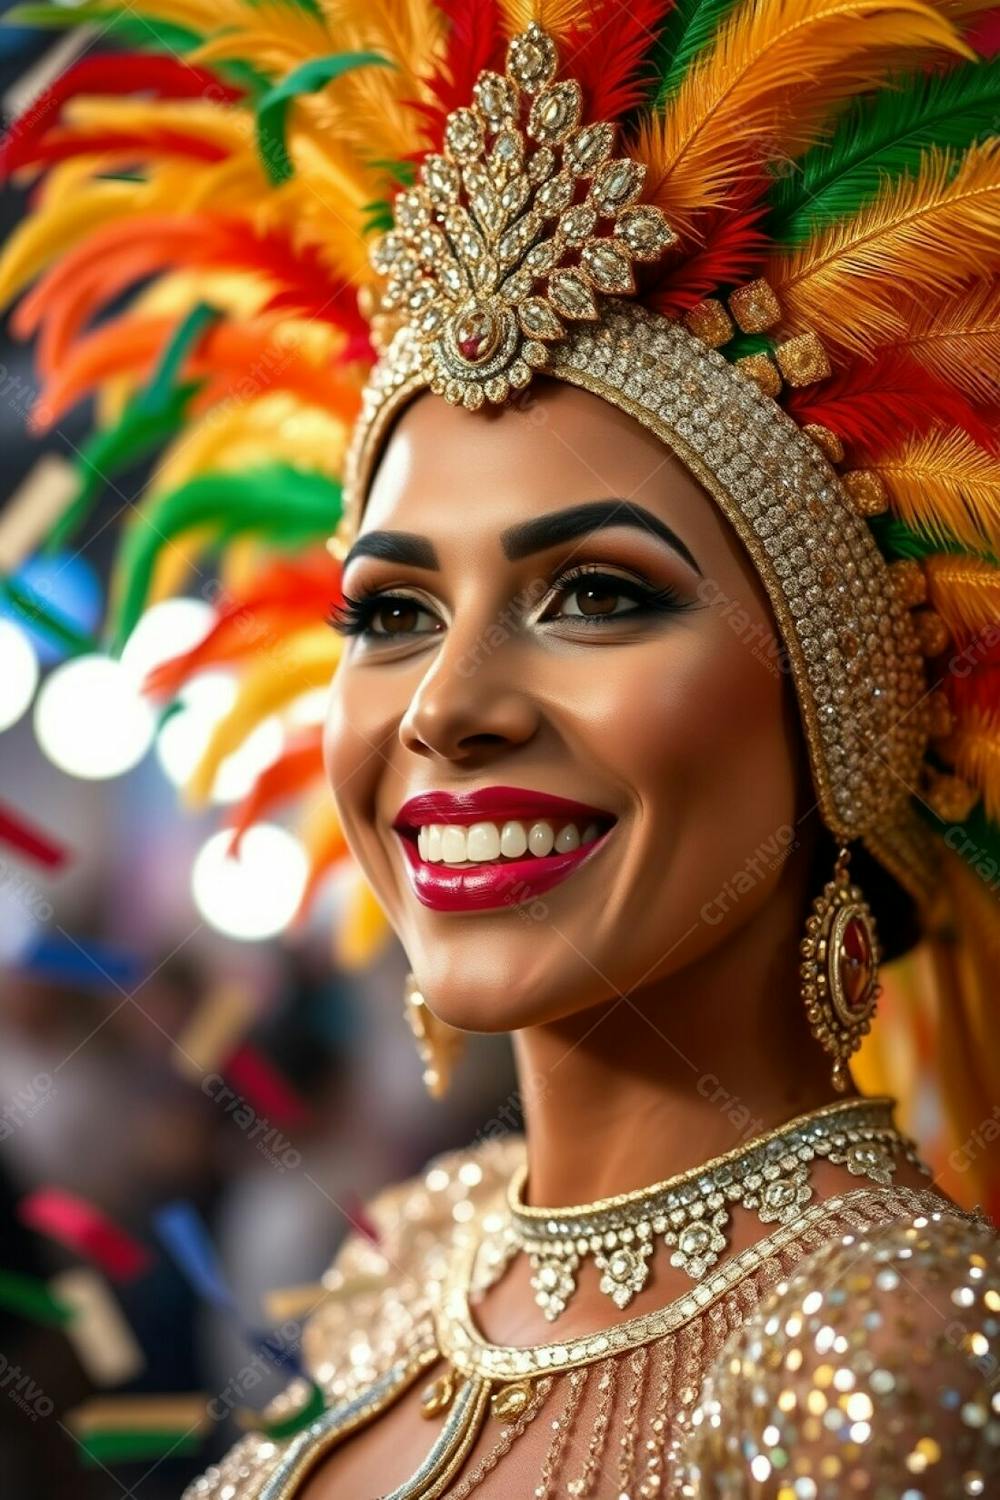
(578, 520)
(395, 546)
(411, 550)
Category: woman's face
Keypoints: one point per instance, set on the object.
(554, 609)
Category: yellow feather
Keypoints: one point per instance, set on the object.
(973, 748)
(236, 435)
(557, 16)
(922, 238)
(224, 125)
(70, 210)
(946, 485)
(364, 928)
(958, 338)
(307, 659)
(965, 591)
(764, 90)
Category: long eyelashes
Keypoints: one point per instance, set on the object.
(354, 616)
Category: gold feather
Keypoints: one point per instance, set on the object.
(765, 89)
(973, 748)
(965, 591)
(557, 16)
(922, 238)
(944, 484)
(958, 339)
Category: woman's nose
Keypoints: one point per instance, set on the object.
(469, 706)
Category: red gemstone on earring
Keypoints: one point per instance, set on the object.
(856, 964)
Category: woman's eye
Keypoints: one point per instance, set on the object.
(397, 616)
(593, 597)
(596, 600)
(382, 617)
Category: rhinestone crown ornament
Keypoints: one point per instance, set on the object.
(514, 231)
(691, 1212)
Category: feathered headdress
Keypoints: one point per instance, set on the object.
(770, 229)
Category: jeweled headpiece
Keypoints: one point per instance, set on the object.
(767, 230)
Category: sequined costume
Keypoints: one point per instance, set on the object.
(854, 1351)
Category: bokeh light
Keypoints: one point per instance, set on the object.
(256, 894)
(18, 673)
(89, 719)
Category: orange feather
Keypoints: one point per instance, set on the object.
(973, 748)
(965, 591)
(775, 70)
(922, 238)
(945, 485)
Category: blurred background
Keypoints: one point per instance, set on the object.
(205, 1070)
(182, 1077)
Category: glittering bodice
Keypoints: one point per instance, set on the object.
(855, 1350)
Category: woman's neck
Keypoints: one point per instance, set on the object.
(658, 1081)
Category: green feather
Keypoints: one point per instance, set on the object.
(40, 615)
(742, 344)
(688, 30)
(980, 848)
(878, 138)
(895, 539)
(279, 502)
(153, 415)
(309, 78)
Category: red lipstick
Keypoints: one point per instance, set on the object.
(507, 882)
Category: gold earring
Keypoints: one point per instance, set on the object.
(840, 956)
(438, 1044)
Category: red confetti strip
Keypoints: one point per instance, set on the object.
(263, 1087)
(83, 1229)
(30, 840)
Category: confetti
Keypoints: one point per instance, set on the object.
(84, 1229)
(214, 1030)
(105, 1344)
(29, 840)
(263, 1086)
(33, 1299)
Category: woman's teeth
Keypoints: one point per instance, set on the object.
(484, 843)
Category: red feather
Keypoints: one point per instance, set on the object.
(973, 679)
(136, 145)
(475, 41)
(605, 55)
(124, 73)
(300, 762)
(733, 251)
(984, 37)
(289, 592)
(870, 405)
(111, 259)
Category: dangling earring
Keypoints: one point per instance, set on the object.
(839, 971)
(438, 1044)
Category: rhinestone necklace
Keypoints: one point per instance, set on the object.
(691, 1212)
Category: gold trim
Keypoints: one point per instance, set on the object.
(309, 1447)
(466, 1348)
(638, 1196)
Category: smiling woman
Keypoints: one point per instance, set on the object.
(665, 696)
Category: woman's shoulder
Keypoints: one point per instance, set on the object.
(372, 1311)
(875, 1364)
(383, 1278)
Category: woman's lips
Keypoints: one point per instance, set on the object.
(453, 885)
(507, 882)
